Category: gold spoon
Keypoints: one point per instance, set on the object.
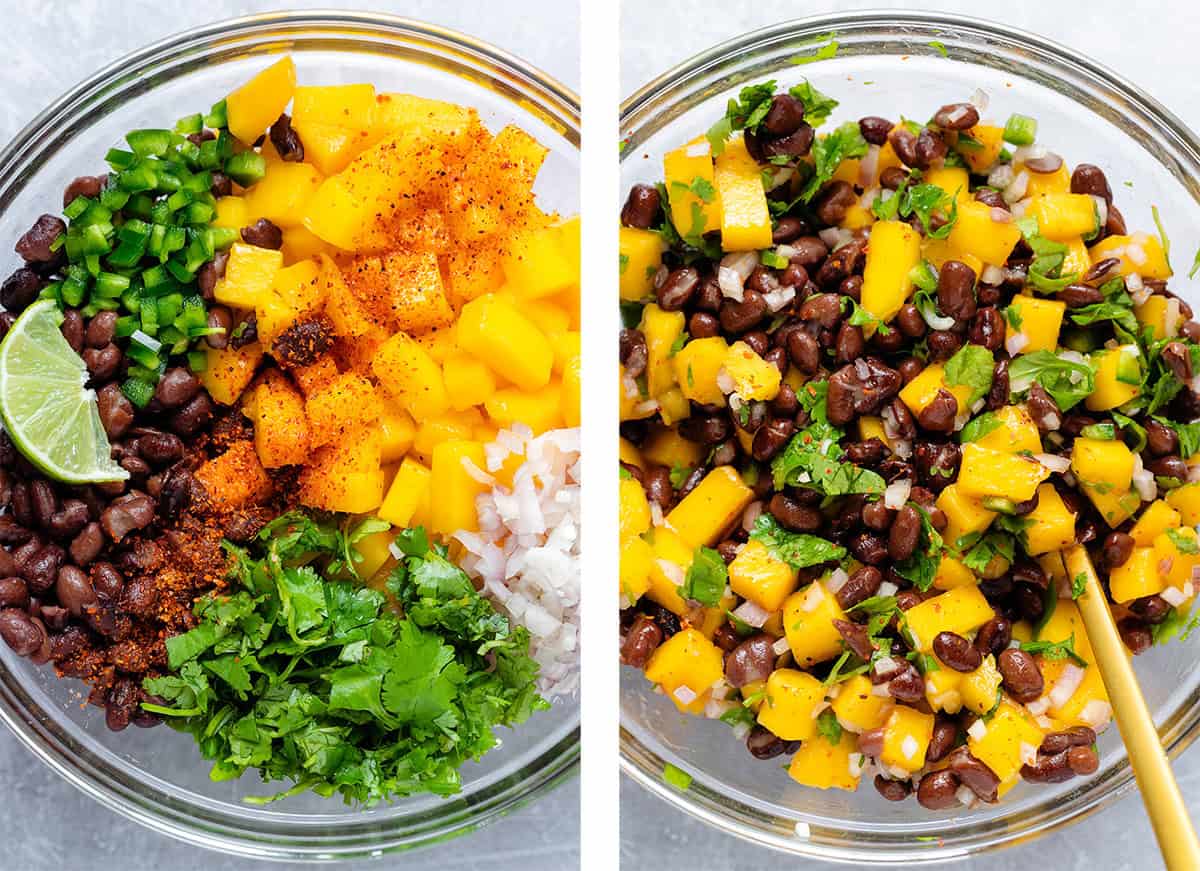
(1160, 793)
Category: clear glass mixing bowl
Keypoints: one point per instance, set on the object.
(886, 65)
(156, 777)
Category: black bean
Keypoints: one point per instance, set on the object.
(1052, 768)
(210, 273)
(868, 548)
(1152, 609)
(905, 533)
(69, 520)
(640, 642)
(116, 411)
(705, 429)
(72, 329)
(752, 660)
(758, 341)
(1046, 163)
(1115, 225)
(841, 264)
(1117, 548)
(726, 637)
(991, 198)
(103, 363)
(35, 245)
(1178, 358)
(785, 403)
(41, 569)
(874, 129)
(14, 593)
(740, 317)
(987, 328)
(1090, 179)
(1160, 438)
(1102, 271)
(792, 515)
(956, 116)
(1079, 295)
(160, 448)
(45, 503)
(20, 632)
(263, 234)
(861, 585)
(939, 414)
(126, 514)
(194, 416)
(86, 546)
(20, 289)
(1076, 736)
(974, 774)
(74, 590)
(771, 439)
(833, 201)
(219, 318)
(904, 143)
(1021, 675)
(892, 177)
(957, 652)
(656, 480)
(856, 638)
(910, 321)
(286, 140)
(1136, 635)
(1171, 468)
(787, 229)
(998, 393)
(930, 148)
(892, 790)
(870, 742)
(84, 186)
(808, 251)
(938, 790)
(1083, 760)
(945, 733)
(796, 144)
(877, 516)
(764, 744)
(943, 344)
(784, 116)
(908, 686)
(994, 635)
(1043, 409)
(100, 330)
(804, 352)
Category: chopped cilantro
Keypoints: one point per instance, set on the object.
(1162, 235)
(624, 260)
(1078, 585)
(676, 777)
(939, 46)
(744, 113)
(679, 474)
(706, 578)
(1183, 543)
(1067, 381)
(677, 345)
(1055, 650)
(829, 151)
(825, 52)
(794, 548)
(971, 366)
(828, 726)
(1195, 265)
(922, 566)
(980, 426)
(817, 106)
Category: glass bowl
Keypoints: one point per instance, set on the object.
(156, 777)
(890, 63)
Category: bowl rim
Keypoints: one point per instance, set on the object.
(535, 93)
(640, 763)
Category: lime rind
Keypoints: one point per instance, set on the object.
(49, 413)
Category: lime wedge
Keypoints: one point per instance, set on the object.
(49, 414)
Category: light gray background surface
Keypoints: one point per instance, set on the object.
(46, 49)
(1152, 43)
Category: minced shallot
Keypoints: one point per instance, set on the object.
(526, 553)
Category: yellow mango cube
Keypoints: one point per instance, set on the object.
(1017, 432)
(228, 371)
(540, 410)
(662, 329)
(686, 659)
(672, 558)
(745, 220)
(282, 195)
(637, 557)
(280, 427)
(1076, 261)
(454, 507)
(980, 689)
(373, 553)
(1000, 748)
(871, 427)
(350, 106)
(1153, 313)
(942, 690)
(991, 141)
(965, 515)
(961, 610)
(1041, 183)
(1138, 252)
(823, 765)
(1158, 517)
(346, 475)
(757, 575)
(248, 275)
(686, 170)
(635, 510)
(716, 502)
(1136, 577)
(753, 377)
(1039, 319)
(858, 708)
(236, 478)
(1186, 500)
(407, 372)
(1104, 468)
(335, 215)
(572, 397)
(665, 446)
(893, 249)
(497, 333)
(232, 213)
(696, 367)
(345, 404)
(984, 472)
(1173, 561)
(789, 701)
(808, 616)
(951, 573)
(1053, 524)
(954, 180)
(906, 736)
(1118, 374)
(539, 265)
(468, 381)
(976, 233)
(408, 488)
(253, 107)
(640, 256)
(396, 431)
(1064, 216)
(432, 431)
(922, 390)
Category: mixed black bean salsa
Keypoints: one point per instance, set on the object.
(875, 378)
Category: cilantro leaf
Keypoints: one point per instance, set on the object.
(1195, 265)
(706, 578)
(796, 549)
(829, 151)
(1183, 543)
(921, 568)
(828, 726)
(744, 113)
(812, 459)
(971, 366)
(1078, 585)
(1066, 380)
(980, 426)
(1054, 650)
(817, 106)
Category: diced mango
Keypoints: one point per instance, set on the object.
(990, 139)
(346, 475)
(984, 472)
(572, 395)
(540, 410)
(1153, 313)
(662, 330)
(980, 689)
(229, 370)
(858, 708)
(347, 403)
(808, 616)
(1040, 183)
(1176, 555)
(954, 180)
(1076, 261)
(1186, 500)
(669, 550)
(715, 503)
(906, 736)
(961, 610)
(696, 366)
(757, 575)
(788, 704)
(280, 426)
(637, 556)
(350, 106)
(406, 371)
(922, 390)
(294, 295)
(976, 233)
(1158, 517)
(1138, 252)
(231, 213)
(456, 489)
(329, 147)
(373, 553)
(686, 659)
(1064, 216)
(893, 249)
(468, 381)
(1017, 432)
(753, 377)
(688, 172)
(283, 193)
(1053, 524)
(253, 107)
(1136, 577)
(1118, 375)
(824, 765)
(539, 265)
(965, 515)
(665, 446)
(335, 215)
(249, 273)
(951, 573)
(497, 333)
(635, 510)
(640, 256)
(745, 220)
(1039, 319)
(1104, 469)
(1000, 748)
(942, 690)
(396, 432)
(409, 487)
(236, 478)
(400, 292)
(871, 427)
(432, 431)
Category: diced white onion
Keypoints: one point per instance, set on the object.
(671, 571)
(1136, 254)
(980, 100)
(957, 114)
(741, 730)
(1101, 209)
(881, 690)
(830, 236)
(978, 730)
(887, 588)
(714, 708)
(902, 448)
(731, 284)
(1014, 343)
(751, 515)
(699, 148)
(1001, 216)
(725, 382)
(1133, 281)
(1171, 319)
(1015, 191)
(685, 694)
(657, 518)
(884, 665)
(964, 795)
(647, 408)
(896, 494)
(1065, 686)
(836, 580)
(630, 386)
(780, 647)
(1097, 713)
(1173, 596)
(1029, 152)
(854, 764)
(1039, 706)
(1053, 462)
(1019, 207)
(812, 597)
(867, 167)
(777, 299)
(751, 614)
(1143, 481)
(1028, 753)
(1001, 177)
(992, 275)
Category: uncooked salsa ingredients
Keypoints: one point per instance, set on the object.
(291, 331)
(876, 377)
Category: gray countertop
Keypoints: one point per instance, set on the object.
(49, 47)
(657, 36)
